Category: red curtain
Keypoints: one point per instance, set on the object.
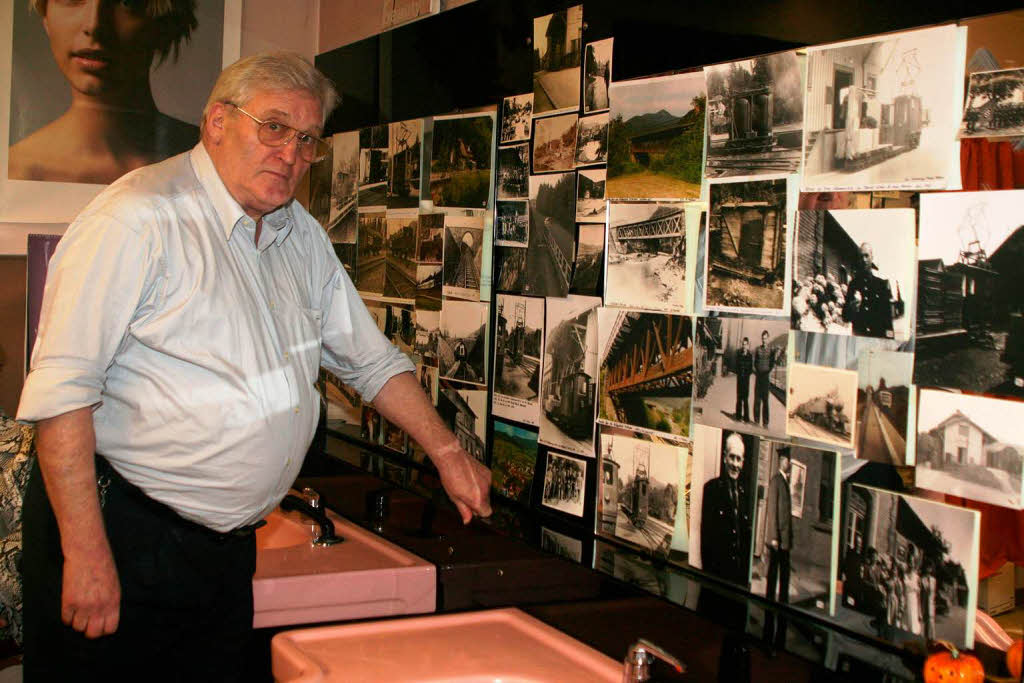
(986, 165)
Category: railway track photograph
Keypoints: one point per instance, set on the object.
(517, 352)
(462, 341)
(755, 116)
(399, 263)
(463, 256)
(551, 247)
(557, 39)
(883, 394)
(371, 252)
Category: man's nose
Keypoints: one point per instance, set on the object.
(289, 151)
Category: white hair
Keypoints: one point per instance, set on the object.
(735, 440)
(280, 70)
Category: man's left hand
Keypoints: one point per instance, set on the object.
(467, 482)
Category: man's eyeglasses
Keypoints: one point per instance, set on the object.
(276, 134)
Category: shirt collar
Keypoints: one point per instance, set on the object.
(229, 211)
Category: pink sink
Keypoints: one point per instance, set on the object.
(503, 645)
(363, 577)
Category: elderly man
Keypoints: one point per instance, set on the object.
(725, 518)
(187, 312)
(869, 299)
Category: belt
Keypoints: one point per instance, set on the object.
(108, 478)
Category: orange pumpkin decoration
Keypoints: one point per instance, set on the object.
(952, 666)
(1013, 657)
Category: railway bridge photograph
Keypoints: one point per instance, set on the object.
(647, 255)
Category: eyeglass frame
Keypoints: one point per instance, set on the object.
(295, 134)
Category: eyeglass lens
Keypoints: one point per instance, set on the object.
(310, 148)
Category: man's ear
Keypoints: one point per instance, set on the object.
(216, 120)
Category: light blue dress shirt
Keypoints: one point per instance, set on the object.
(198, 348)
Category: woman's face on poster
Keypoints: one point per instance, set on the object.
(101, 46)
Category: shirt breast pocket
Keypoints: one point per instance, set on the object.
(302, 337)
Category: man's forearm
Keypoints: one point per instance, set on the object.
(66, 445)
(403, 402)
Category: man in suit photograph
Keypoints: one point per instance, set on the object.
(744, 369)
(725, 518)
(779, 539)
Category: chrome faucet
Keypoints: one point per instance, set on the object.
(316, 513)
(636, 665)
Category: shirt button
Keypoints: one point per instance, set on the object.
(296, 411)
(287, 355)
(271, 305)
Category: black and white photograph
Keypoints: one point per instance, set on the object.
(656, 137)
(971, 446)
(557, 44)
(590, 205)
(462, 341)
(592, 140)
(586, 270)
(646, 256)
(513, 461)
(646, 371)
(995, 104)
(554, 143)
(740, 374)
(795, 528)
(569, 374)
(428, 379)
(512, 223)
(319, 206)
(510, 269)
(400, 255)
(392, 437)
(597, 75)
(643, 491)
(724, 482)
(344, 405)
(747, 247)
(516, 117)
(883, 401)
(400, 326)
(970, 292)
(372, 251)
(564, 480)
(882, 113)
(822, 404)
(561, 545)
(464, 410)
(428, 329)
(911, 567)
(428, 287)
(145, 73)
(461, 160)
(430, 238)
(344, 165)
(517, 353)
(369, 424)
(836, 351)
(514, 171)
(404, 151)
(854, 272)
(463, 256)
(373, 166)
(552, 232)
(755, 116)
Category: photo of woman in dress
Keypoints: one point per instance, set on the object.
(105, 50)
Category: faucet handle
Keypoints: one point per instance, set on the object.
(312, 497)
(636, 665)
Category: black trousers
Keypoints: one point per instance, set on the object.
(778, 573)
(761, 382)
(186, 595)
(742, 397)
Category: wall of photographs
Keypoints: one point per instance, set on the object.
(686, 310)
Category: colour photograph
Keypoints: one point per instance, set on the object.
(557, 40)
(740, 374)
(970, 292)
(586, 270)
(646, 256)
(656, 137)
(569, 374)
(554, 143)
(971, 446)
(995, 104)
(462, 341)
(755, 116)
(646, 371)
(590, 205)
(883, 396)
(597, 75)
(822, 404)
(911, 566)
(513, 461)
(552, 231)
(461, 161)
(747, 246)
(797, 513)
(883, 112)
(517, 353)
(516, 117)
(463, 256)
(855, 271)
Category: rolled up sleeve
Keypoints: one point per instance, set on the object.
(354, 348)
(96, 279)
